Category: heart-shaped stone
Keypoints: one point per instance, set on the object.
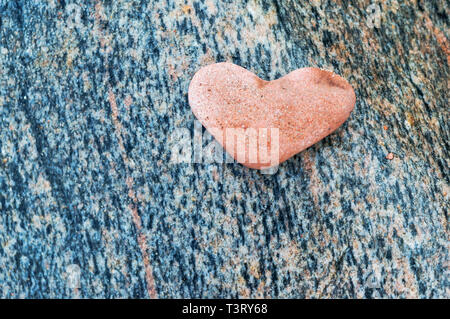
(263, 123)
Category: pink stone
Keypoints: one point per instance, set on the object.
(303, 107)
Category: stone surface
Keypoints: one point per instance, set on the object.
(91, 92)
(264, 123)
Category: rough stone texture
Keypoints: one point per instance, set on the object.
(91, 94)
(240, 110)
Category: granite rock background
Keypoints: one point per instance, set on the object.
(92, 93)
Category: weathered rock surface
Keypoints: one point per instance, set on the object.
(90, 94)
(263, 123)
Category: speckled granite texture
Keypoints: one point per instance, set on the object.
(91, 92)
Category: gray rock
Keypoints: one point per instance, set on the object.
(91, 205)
